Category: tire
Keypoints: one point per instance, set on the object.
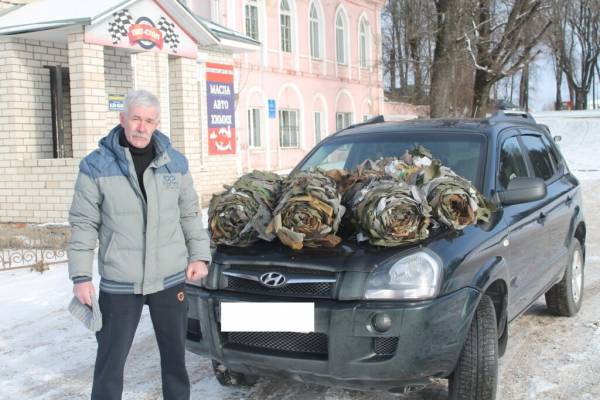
(564, 299)
(227, 377)
(476, 374)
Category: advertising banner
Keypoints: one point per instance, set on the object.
(221, 109)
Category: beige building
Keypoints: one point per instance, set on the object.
(65, 66)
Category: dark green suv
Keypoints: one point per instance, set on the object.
(394, 318)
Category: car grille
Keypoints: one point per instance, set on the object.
(385, 346)
(309, 344)
(324, 290)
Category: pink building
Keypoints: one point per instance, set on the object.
(317, 70)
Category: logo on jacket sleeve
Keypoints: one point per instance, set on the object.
(169, 181)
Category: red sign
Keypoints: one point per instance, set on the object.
(221, 105)
(145, 32)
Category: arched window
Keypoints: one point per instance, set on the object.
(340, 39)
(364, 43)
(285, 21)
(315, 43)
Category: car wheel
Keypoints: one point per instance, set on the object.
(476, 374)
(227, 377)
(565, 297)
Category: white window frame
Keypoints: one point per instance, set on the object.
(318, 122)
(341, 38)
(254, 125)
(343, 119)
(290, 132)
(314, 29)
(364, 41)
(252, 22)
(285, 26)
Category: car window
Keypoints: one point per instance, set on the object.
(554, 155)
(539, 156)
(463, 153)
(512, 162)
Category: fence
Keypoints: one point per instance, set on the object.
(33, 247)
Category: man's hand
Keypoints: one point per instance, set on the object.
(84, 292)
(196, 270)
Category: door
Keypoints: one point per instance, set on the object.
(526, 245)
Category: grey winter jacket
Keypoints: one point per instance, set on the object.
(144, 246)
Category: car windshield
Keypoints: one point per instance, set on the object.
(464, 153)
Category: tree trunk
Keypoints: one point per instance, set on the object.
(481, 95)
(580, 98)
(440, 96)
(558, 101)
(524, 88)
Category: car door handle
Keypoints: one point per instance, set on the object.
(569, 200)
(541, 218)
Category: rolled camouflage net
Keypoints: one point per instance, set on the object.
(454, 200)
(309, 211)
(240, 215)
(390, 213)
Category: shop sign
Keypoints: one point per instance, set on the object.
(143, 26)
(221, 109)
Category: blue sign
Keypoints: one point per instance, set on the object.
(272, 109)
(115, 102)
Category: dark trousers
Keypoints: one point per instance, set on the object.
(120, 317)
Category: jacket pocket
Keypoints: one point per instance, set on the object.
(109, 247)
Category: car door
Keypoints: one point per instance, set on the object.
(525, 243)
(558, 207)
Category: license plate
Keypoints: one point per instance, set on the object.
(267, 317)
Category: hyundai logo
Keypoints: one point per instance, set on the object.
(273, 279)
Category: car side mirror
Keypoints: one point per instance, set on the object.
(523, 190)
(557, 138)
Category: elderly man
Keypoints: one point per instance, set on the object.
(135, 195)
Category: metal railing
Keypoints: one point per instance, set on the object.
(33, 247)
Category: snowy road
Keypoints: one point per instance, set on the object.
(45, 354)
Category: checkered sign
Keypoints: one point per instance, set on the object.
(144, 26)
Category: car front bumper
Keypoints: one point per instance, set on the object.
(424, 340)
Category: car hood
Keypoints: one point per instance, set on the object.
(347, 256)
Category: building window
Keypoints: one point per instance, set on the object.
(340, 39)
(285, 20)
(317, 127)
(288, 128)
(315, 43)
(364, 43)
(252, 20)
(342, 120)
(254, 127)
(216, 11)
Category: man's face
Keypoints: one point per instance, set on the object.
(139, 125)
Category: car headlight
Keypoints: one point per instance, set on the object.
(414, 277)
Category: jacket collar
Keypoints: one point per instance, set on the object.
(110, 142)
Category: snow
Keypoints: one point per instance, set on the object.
(46, 354)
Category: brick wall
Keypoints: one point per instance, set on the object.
(118, 79)
(25, 103)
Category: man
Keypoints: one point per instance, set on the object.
(135, 195)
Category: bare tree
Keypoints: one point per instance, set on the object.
(581, 48)
(452, 74)
(500, 44)
(408, 43)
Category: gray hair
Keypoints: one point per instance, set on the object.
(142, 98)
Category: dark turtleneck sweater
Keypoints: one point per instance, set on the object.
(141, 159)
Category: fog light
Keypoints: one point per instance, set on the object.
(381, 322)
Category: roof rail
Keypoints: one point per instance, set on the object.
(511, 115)
(373, 120)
